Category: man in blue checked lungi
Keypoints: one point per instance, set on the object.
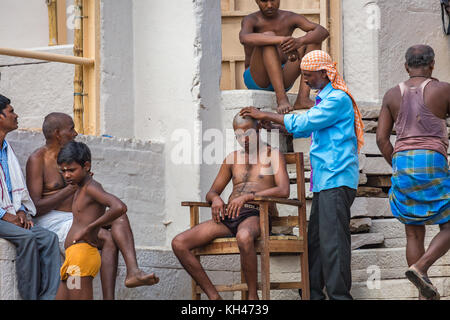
(420, 192)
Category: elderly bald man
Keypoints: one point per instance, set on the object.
(251, 177)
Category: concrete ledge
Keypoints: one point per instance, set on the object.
(8, 281)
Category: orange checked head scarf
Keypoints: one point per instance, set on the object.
(320, 60)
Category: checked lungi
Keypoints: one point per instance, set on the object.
(420, 192)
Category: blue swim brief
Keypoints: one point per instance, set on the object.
(251, 84)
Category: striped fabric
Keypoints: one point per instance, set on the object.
(420, 192)
(320, 60)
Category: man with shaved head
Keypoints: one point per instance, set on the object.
(256, 170)
(419, 194)
(53, 199)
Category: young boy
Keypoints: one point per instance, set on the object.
(89, 204)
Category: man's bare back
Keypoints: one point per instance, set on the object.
(436, 97)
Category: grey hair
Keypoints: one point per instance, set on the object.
(419, 56)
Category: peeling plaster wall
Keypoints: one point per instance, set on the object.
(406, 23)
(209, 34)
(377, 34)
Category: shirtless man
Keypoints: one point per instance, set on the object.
(53, 199)
(89, 205)
(256, 170)
(273, 56)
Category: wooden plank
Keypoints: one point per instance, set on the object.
(52, 23)
(335, 29)
(91, 74)
(304, 12)
(61, 19)
(265, 255)
(379, 181)
(289, 221)
(364, 191)
(290, 202)
(243, 286)
(193, 203)
(324, 23)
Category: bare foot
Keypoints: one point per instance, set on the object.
(284, 106)
(141, 279)
(304, 103)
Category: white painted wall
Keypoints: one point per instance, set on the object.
(24, 23)
(166, 70)
(117, 68)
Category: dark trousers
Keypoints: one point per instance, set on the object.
(329, 244)
(38, 260)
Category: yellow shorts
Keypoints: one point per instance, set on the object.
(82, 260)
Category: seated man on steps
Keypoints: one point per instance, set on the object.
(272, 55)
(53, 199)
(256, 170)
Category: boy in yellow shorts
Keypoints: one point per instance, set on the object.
(89, 215)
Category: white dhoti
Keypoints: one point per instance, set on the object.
(57, 221)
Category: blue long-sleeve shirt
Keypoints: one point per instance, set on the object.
(5, 167)
(333, 154)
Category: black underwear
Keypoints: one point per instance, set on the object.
(248, 210)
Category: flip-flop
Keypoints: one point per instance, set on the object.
(422, 283)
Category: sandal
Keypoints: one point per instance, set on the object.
(423, 283)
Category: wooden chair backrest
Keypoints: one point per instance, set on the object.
(300, 220)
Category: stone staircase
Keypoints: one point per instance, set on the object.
(378, 239)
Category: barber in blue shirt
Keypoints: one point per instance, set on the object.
(334, 161)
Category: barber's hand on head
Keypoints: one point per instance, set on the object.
(218, 209)
(252, 112)
(26, 224)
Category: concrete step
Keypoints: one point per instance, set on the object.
(8, 280)
(386, 258)
(396, 289)
(391, 228)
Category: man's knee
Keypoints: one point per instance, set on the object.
(106, 238)
(179, 243)
(415, 232)
(245, 239)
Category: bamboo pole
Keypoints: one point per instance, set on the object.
(52, 23)
(46, 56)
(78, 79)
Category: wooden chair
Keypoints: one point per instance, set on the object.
(266, 244)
